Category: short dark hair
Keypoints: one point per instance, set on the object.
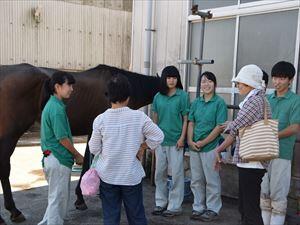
(169, 71)
(118, 88)
(265, 78)
(210, 76)
(60, 78)
(283, 69)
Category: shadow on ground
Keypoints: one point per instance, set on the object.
(33, 202)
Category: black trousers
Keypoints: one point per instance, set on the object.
(249, 195)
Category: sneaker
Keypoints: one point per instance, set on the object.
(209, 216)
(158, 210)
(169, 213)
(196, 214)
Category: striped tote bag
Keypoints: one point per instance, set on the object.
(259, 142)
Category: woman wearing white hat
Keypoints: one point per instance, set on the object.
(250, 84)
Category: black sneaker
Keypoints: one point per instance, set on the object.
(209, 216)
(196, 214)
(158, 210)
(169, 213)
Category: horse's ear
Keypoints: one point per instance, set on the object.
(157, 75)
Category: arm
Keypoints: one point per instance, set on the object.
(95, 143)
(60, 129)
(141, 151)
(294, 119)
(184, 110)
(68, 145)
(220, 117)
(180, 142)
(245, 117)
(289, 131)
(153, 134)
(155, 117)
(212, 136)
(190, 134)
(226, 143)
(154, 109)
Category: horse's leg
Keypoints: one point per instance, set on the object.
(80, 203)
(2, 222)
(16, 215)
(7, 146)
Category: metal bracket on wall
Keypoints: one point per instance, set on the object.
(199, 62)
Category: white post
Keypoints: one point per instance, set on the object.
(147, 47)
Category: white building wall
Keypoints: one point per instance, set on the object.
(168, 40)
(68, 36)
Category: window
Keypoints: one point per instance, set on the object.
(219, 38)
(266, 39)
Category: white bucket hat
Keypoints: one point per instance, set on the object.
(251, 75)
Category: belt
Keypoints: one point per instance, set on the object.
(46, 153)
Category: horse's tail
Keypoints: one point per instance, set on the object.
(46, 93)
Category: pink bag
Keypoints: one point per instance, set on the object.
(90, 183)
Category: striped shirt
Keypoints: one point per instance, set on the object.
(117, 136)
(251, 112)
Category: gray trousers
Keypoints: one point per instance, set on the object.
(169, 156)
(275, 186)
(58, 178)
(205, 182)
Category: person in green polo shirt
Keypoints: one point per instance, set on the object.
(57, 147)
(285, 107)
(170, 109)
(208, 112)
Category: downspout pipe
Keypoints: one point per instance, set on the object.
(148, 30)
(187, 47)
(148, 40)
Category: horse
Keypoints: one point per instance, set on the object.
(22, 96)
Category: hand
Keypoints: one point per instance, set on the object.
(79, 159)
(218, 161)
(194, 146)
(140, 153)
(199, 144)
(180, 143)
(224, 125)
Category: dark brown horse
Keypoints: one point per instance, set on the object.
(21, 97)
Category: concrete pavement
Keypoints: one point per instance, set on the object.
(30, 194)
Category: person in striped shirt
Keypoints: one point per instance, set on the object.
(119, 136)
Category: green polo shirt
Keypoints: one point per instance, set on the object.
(54, 127)
(170, 111)
(287, 110)
(206, 116)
